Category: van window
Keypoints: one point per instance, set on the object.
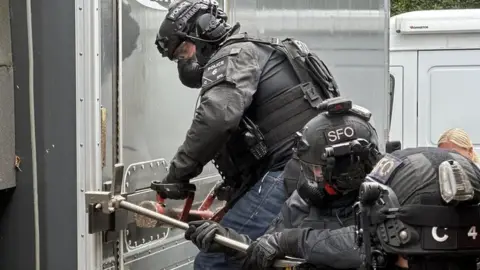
(396, 105)
(392, 94)
(454, 100)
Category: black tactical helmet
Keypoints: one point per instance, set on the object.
(191, 20)
(338, 148)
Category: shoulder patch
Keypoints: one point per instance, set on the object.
(385, 168)
(339, 134)
(215, 72)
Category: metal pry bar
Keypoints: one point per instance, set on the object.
(281, 263)
(109, 201)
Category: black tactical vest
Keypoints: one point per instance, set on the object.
(282, 105)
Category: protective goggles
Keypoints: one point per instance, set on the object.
(168, 46)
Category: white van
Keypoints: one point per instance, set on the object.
(435, 63)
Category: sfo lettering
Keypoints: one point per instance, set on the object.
(340, 133)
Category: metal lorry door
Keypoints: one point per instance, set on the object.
(448, 94)
(155, 111)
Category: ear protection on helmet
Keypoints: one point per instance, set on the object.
(209, 27)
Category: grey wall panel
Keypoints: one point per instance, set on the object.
(7, 132)
(7, 129)
(55, 109)
(5, 37)
(16, 205)
(55, 116)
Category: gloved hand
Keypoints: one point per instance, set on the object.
(263, 252)
(202, 233)
(174, 191)
(224, 193)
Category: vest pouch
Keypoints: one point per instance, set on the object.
(254, 139)
(321, 75)
(303, 60)
(241, 156)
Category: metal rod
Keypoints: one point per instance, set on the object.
(205, 214)
(218, 238)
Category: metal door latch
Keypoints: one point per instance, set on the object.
(104, 213)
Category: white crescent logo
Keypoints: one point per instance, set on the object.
(437, 237)
(155, 4)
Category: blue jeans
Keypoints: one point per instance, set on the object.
(251, 215)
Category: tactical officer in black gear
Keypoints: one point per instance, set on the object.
(256, 94)
(336, 150)
(419, 209)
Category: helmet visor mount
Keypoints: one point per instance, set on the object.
(345, 164)
(162, 45)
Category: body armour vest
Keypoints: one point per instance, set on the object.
(281, 106)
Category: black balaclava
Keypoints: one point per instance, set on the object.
(190, 72)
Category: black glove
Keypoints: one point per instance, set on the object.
(224, 193)
(174, 191)
(263, 252)
(202, 233)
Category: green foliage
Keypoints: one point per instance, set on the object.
(402, 6)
